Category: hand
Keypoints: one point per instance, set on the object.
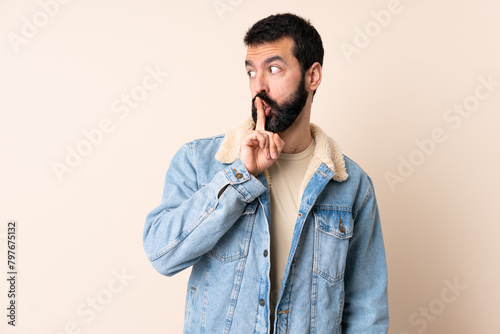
(260, 148)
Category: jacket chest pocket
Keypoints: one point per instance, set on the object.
(333, 229)
(234, 243)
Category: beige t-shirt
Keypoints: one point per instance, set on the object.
(286, 173)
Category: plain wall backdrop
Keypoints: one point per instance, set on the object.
(97, 96)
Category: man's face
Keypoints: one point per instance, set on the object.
(276, 77)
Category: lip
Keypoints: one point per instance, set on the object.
(267, 109)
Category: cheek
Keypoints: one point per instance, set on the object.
(283, 91)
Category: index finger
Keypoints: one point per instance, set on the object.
(261, 116)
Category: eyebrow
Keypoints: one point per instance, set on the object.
(267, 61)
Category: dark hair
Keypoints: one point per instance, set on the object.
(308, 47)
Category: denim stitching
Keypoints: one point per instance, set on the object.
(234, 297)
(246, 243)
(181, 238)
(365, 199)
(333, 280)
(205, 301)
(314, 293)
(341, 308)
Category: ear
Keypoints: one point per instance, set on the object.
(314, 74)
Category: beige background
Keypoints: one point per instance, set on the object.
(78, 233)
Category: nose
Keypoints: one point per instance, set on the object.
(260, 84)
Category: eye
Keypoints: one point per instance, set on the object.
(274, 69)
(251, 74)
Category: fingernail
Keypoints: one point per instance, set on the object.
(275, 156)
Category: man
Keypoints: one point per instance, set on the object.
(281, 229)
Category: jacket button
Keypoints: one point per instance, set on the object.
(341, 228)
(265, 253)
(238, 175)
(262, 302)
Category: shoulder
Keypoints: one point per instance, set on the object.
(201, 153)
(206, 142)
(208, 139)
(355, 171)
(360, 183)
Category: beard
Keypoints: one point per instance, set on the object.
(282, 116)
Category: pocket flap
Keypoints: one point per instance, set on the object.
(336, 222)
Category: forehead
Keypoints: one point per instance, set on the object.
(282, 47)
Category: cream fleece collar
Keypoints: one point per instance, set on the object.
(327, 151)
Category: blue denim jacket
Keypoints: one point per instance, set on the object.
(214, 216)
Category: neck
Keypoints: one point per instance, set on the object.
(298, 136)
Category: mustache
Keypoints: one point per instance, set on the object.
(264, 97)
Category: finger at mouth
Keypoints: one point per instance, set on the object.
(266, 108)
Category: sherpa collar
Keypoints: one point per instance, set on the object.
(327, 151)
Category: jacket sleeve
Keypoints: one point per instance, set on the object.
(189, 221)
(366, 303)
